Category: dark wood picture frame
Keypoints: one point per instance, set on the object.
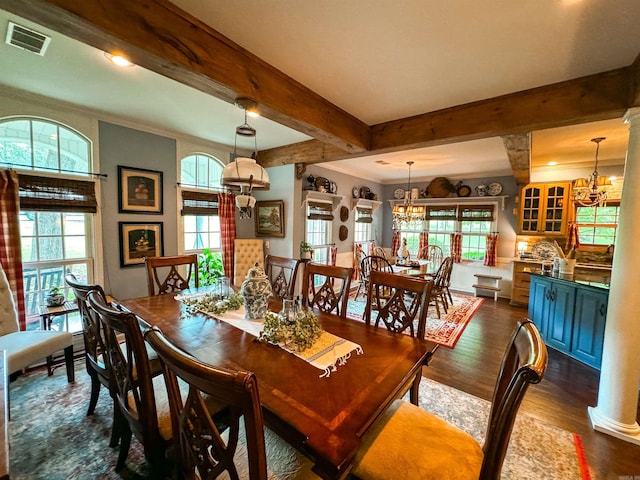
(139, 190)
(269, 218)
(139, 240)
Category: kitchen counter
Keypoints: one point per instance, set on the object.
(588, 280)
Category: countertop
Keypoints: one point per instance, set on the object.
(577, 278)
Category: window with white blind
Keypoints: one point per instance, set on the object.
(318, 229)
(362, 224)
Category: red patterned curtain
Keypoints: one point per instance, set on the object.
(372, 246)
(357, 256)
(10, 248)
(423, 242)
(572, 237)
(492, 249)
(456, 247)
(395, 243)
(227, 213)
(333, 255)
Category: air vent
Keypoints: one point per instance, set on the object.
(27, 39)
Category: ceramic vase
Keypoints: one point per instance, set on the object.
(256, 290)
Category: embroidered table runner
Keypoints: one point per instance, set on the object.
(327, 353)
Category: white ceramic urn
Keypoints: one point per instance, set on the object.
(256, 290)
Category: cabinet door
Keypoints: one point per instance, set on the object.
(555, 206)
(588, 328)
(539, 295)
(560, 318)
(531, 198)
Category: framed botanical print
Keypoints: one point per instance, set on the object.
(269, 218)
(139, 240)
(139, 190)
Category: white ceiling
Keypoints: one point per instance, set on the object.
(379, 60)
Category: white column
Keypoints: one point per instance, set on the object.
(617, 406)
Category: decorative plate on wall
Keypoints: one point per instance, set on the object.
(494, 188)
(344, 214)
(343, 233)
(398, 193)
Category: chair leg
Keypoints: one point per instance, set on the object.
(443, 299)
(117, 426)
(415, 388)
(450, 297)
(68, 360)
(125, 443)
(95, 393)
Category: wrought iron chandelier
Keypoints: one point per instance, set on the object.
(244, 172)
(592, 191)
(407, 212)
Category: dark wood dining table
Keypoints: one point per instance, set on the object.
(324, 418)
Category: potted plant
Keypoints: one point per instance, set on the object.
(305, 250)
(54, 298)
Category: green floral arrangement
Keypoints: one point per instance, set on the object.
(212, 303)
(296, 336)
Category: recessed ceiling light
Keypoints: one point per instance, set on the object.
(118, 60)
(552, 164)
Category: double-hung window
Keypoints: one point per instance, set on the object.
(318, 229)
(362, 225)
(597, 225)
(57, 203)
(475, 222)
(199, 183)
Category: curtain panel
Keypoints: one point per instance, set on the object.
(227, 212)
(491, 250)
(456, 247)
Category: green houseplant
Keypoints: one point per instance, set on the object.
(210, 267)
(305, 250)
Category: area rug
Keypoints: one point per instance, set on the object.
(445, 330)
(51, 438)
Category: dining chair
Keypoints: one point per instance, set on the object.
(246, 252)
(367, 265)
(379, 252)
(93, 336)
(440, 286)
(326, 287)
(282, 273)
(28, 347)
(400, 302)
(163, 274)
(410, 443)
(433, 254)
(202, 450)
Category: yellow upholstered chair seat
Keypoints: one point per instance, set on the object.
(410, 443)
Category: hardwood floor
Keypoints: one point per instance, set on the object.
(561, 399)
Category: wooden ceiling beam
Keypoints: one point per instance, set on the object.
(157, 35)
(518, 147)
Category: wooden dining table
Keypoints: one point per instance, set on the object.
(323, 417)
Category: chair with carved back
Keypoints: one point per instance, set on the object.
(439, 290)
(379, 252)
(410, 443)
(433, 254)
(163, 275)
(326, 287)
(202, 450)
(282, 273)
(400, 302)
(93, 336)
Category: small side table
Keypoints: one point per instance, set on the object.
(47, 314)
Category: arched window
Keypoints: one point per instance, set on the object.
(43, 145)
(199, 182)
(56, 218)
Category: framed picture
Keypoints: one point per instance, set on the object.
(139, 190)
(269, 217)
(139, 240)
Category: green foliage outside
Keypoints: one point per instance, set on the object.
(210, 267)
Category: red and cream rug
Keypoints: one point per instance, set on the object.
(445, 330)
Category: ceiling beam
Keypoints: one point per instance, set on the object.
(157, 35)
(596, 97)
(518, 147)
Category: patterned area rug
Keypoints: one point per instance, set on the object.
(445, 330)
(51, 438)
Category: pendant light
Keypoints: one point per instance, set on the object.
(592, 191)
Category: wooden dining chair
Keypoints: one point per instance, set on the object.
(140, 410)
(163, 275)
(326, 287)
(433, 254)
(201, 449)
(282, 273)
(94, 343)
(400, 302)
(367, 265)
(440, 286)
(410, 443)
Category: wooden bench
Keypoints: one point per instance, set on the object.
(489, 283)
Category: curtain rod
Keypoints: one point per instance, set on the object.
(59, 170)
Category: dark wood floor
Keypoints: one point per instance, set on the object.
(561, 399)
